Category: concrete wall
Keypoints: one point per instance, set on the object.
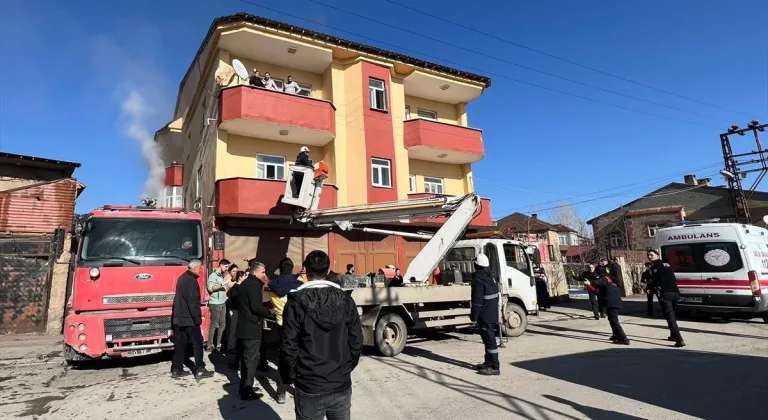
(58, 292)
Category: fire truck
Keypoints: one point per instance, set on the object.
(390, 314)
(127, 264)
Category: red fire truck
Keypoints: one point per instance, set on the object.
(128, 261)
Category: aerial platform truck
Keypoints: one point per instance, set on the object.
(390, 314)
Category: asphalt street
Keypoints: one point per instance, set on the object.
(562, 368)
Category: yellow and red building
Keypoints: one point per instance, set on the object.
(391, 127)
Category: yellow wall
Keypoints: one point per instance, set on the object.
(453, 176)
(402, 164)
(446, 113)
(356, 167)
(236, 155)
(278, 72)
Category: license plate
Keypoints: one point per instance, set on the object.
(143, 352)
(691, 300)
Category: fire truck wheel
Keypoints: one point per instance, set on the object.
(515, 320)
(765, 319)
(73, 358)
(391, 334)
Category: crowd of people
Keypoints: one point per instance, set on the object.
(267, 82)
(320, 335)
(605, 281)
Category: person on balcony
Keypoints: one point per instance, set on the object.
(254, 79)
(298, 177)
(269, 83)
(292, 87)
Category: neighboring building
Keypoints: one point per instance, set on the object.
(37, 198)
(633, 225)
(553, 240)
(391, 127)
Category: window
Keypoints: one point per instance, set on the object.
(652, 230)
(616, 240)
(174, 197)
(199, 183)
(306, 89)
(460, 254)
(516, 258)
(279, 83)
(433, 185)
(705, 257)
(407, 112)
(562, 238)
(412, 183)
(378, 94)
(270, 167)
(427, 115)
(381, 173)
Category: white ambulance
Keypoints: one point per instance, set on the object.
(720, 267)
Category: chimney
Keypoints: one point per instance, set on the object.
(535, 216)
(707, 182)
(691, 180)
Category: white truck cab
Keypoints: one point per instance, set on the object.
(720, 267)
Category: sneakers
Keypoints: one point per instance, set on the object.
(489, 371)
(179, 373)
(202, 373)
(280, 398)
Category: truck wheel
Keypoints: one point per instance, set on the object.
(73, 358)
(765, 319)
(391, 334)
(515, 320)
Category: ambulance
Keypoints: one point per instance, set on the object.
(720, 267)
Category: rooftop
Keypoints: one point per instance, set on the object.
(523, 223)
(38, 162)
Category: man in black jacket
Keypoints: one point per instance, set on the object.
(187, 317)
(251, 314)
(588, 275)
(321, 344)
(612, 295)
(302, 159)
(485, 311)
(665, 281)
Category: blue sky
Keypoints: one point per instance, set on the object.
(72, 68)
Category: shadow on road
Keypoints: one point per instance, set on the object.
(487, 395)
(698, 331)
(603, 335)
(419, 352)
(591, 412)
(698, 384)
(231, 406)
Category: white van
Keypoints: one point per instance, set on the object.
(720, 267)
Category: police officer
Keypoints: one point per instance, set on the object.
(663, 278)
(650, 290)
(610, 290)
(485, 312)
(302, 159)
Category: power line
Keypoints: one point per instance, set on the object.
(492, 57)
(397, 47)
(565, 60)
(645, 183)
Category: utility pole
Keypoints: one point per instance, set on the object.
(736, 170)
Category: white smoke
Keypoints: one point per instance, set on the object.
(135, 111)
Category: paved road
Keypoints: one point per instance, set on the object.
(563, 368)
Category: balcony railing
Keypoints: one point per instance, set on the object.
(435, 141)
(252, 197)
(272, 115)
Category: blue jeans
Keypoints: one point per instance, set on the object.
(336, 406)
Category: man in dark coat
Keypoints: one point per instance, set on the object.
(322, 340)
(589, 275)
(664, 279)
(614, 271)
(485, 312)
(610, 290)
(298, 177)
(187, 318)
(251, 314)
(650, 289)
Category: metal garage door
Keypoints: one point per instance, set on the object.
(270, 245)
(25, 273)
(366, 251)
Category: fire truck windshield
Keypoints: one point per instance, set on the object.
(140, 241)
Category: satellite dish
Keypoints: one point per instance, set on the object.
(240, 69)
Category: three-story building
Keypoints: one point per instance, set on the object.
(391, 127)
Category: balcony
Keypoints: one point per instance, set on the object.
(483, 218)
(251, 197)
(271, 115)
(440, 142)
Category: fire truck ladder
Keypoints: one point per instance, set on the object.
(460, 212)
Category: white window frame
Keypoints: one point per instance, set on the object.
(426, 114)
(616, 239)
(305, 87)
(199, 183)
(407, 112)
(278, 82)
(380, 167)
(563, 238)
(174, 196)
(411, 184)
(434, 185)
(652, 230)
(264, 165)
(372, 94)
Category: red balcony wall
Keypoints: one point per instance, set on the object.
(260, 197)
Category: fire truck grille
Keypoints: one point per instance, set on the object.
(137, 327)
(121, 300)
